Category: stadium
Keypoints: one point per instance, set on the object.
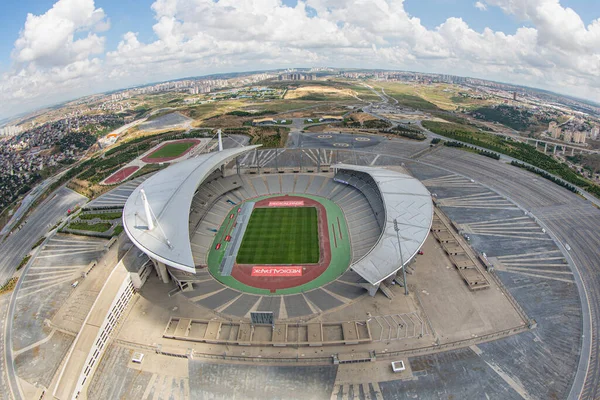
(331, 271)
(334, 232)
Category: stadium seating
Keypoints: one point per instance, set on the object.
(360, 201)
(213, 200)
(363, 208)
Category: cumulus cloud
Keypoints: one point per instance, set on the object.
(49, 39)
(55, 54)
(64, 48)
(480, 6)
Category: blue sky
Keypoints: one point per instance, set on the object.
(137, 16)
(557, 51)
(125, 15)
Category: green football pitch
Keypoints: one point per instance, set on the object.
(281, 236)
(171, 150)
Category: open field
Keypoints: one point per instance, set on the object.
(363, 93)
(281, 236)
(269, 136)
(432, 97)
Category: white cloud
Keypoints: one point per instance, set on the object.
(194, 37)
(55, 55)
(480, 6)
(49, 39)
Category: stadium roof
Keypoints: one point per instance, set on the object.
(170, 193)
(406, 200)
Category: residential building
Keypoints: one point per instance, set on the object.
(554, 130)
(579, 136)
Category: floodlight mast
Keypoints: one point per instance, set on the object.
(401, 257)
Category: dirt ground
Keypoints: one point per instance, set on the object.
(318, 90)
(362, 117)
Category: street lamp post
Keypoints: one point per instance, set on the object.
(401, 257)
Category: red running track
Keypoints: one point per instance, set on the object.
(120, 175)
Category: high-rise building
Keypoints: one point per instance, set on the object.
(595, 132)
(567, 136)
(554, 130)
(579, 136)
(10, 130)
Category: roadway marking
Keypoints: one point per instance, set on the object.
(449, 181)
(517, 269)
(45, 281)
(541, 276)
(374, 160)
(72, 253)
(518, 228)
(57, 274)
(487, 200)
(512, 382)
(149, 387)
(57, 267)
(377, 390)
(519, 264)
(42, 289)
(36, 344)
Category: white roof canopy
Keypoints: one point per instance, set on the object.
(170, 193)
(405, 200)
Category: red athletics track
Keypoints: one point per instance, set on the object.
(120, 175)
(149, 160)
(243, 272)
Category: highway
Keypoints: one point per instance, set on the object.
(17, 245)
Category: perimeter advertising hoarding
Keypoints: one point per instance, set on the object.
(288, 203)
(276, 271)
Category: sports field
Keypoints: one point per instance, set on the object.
(333, 249)
(281, 236)
(172, 150)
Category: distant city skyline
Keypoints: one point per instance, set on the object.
(56, 51)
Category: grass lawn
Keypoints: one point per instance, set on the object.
(82, 226)
(104, 216)
(171, 150)
(281, 236)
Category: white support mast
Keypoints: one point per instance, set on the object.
(149, 217)
(220, 140)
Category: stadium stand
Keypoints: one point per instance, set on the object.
(218, 195)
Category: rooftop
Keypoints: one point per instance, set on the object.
(169, 195)
(407, 201)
